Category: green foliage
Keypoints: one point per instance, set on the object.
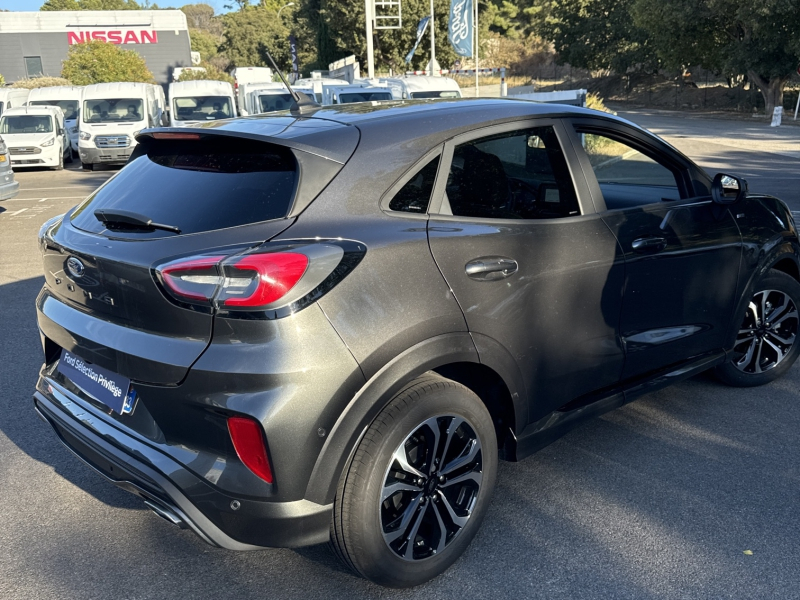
(40, 82)
(101, 62)
(211, 73)
(2, 80)
(248, 32)
(91, 5)
(205, 43)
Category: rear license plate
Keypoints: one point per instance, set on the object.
(105, 386)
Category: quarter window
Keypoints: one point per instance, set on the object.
(515, 175)
(626, 176)
(415, 195)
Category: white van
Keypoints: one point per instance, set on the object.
(111, 116)
(36, 137)
(68, 99)
(193, 102)
(422, 86)
(315, 84)
(244, 75)
(257, 98)
(345, 94)
(12, 98)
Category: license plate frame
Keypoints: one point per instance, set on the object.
(106, 387)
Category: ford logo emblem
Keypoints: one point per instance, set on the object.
(75, 267)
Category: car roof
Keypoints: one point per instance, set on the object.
(218, 88)
(32, 110)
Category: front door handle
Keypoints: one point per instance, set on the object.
(647, 245)
(491, 268)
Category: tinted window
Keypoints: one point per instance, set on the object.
(26, 124)
(448, 94)
(517, 175)
(364, 97)
(273, 102)
(33, 66)
(626, 176)
(202, 108)
(69, 107)
(415, 195)
(113, 110)
(198, 186)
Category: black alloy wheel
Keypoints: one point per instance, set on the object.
(765, 346)
(419, 484)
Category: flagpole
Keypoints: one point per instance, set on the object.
(475, 51)
(433, 41)
(370, 50)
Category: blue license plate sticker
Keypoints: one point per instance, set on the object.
(103, 385)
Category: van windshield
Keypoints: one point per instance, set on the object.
(70, 107)
(26, 124)
(202, 108)
(273, 102)
(364, 97)
(114, 110)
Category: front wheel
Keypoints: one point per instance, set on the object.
(418, 485)
(765, 345)
(60, 165)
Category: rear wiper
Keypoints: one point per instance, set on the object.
(115, 218)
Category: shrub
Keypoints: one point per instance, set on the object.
(40, 82)
(211, 73)
(102, 62)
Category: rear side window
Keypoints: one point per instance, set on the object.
(414, 196)
(197, 186)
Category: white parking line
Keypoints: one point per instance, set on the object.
(14, 214)
(66, 187)
(43, 199)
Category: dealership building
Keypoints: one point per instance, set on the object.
(35, 43)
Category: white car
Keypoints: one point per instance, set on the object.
(36, 137)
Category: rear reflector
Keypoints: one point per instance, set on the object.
(248, 440)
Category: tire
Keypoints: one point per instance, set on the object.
(374, 537)
(60, 165)
(74, 153)
(766, 345)
(69, 158)
(87, 166)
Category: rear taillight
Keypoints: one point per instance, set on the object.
(263, 279)
(248, 440)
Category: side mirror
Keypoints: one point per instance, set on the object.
(728, 189)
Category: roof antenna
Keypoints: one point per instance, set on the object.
(302, 104)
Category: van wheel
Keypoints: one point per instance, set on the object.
(87, 166)
(766, 345)
(69, 159)
(60, 165)
(418, 486)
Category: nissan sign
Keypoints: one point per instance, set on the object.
(114, 36)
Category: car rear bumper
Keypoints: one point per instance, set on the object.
(172, 491)
(8, 187)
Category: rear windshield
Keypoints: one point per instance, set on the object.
(70, 107)
(273, 102)
(364, 97)
(197, 186)
(26, 124)
(114, 110)
(202, 108)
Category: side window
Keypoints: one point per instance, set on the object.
(415, 195)
(516, 175)
(626, 176)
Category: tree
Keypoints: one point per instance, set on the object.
(102, 62)
(205, 43)
(594, 34)
(211, 73)
(199, 16)
(761, 39)
(91, 5)
(249, 32)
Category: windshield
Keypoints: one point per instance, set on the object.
(273, 102)
(70, 107)
(202, 108)
(364, 97)
(115, 110)
(442, 94)
(26, 124)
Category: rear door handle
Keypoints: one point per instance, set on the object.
(491, 268)
(651, 244)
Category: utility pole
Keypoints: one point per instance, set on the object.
(368, 6)
(475, 51)
(433, 42)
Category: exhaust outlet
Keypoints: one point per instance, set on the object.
(166, 514)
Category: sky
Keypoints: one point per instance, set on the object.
(35, 4)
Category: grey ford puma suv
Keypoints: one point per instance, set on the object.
(290, 329)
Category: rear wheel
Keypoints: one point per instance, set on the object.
(87, 166)
(766, 344)
(418, 486)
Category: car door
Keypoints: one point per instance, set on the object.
(682, 251)
(537, 273)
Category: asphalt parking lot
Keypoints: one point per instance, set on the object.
(659, 499)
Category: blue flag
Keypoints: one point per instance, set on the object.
(460, 26)
(421, 27)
